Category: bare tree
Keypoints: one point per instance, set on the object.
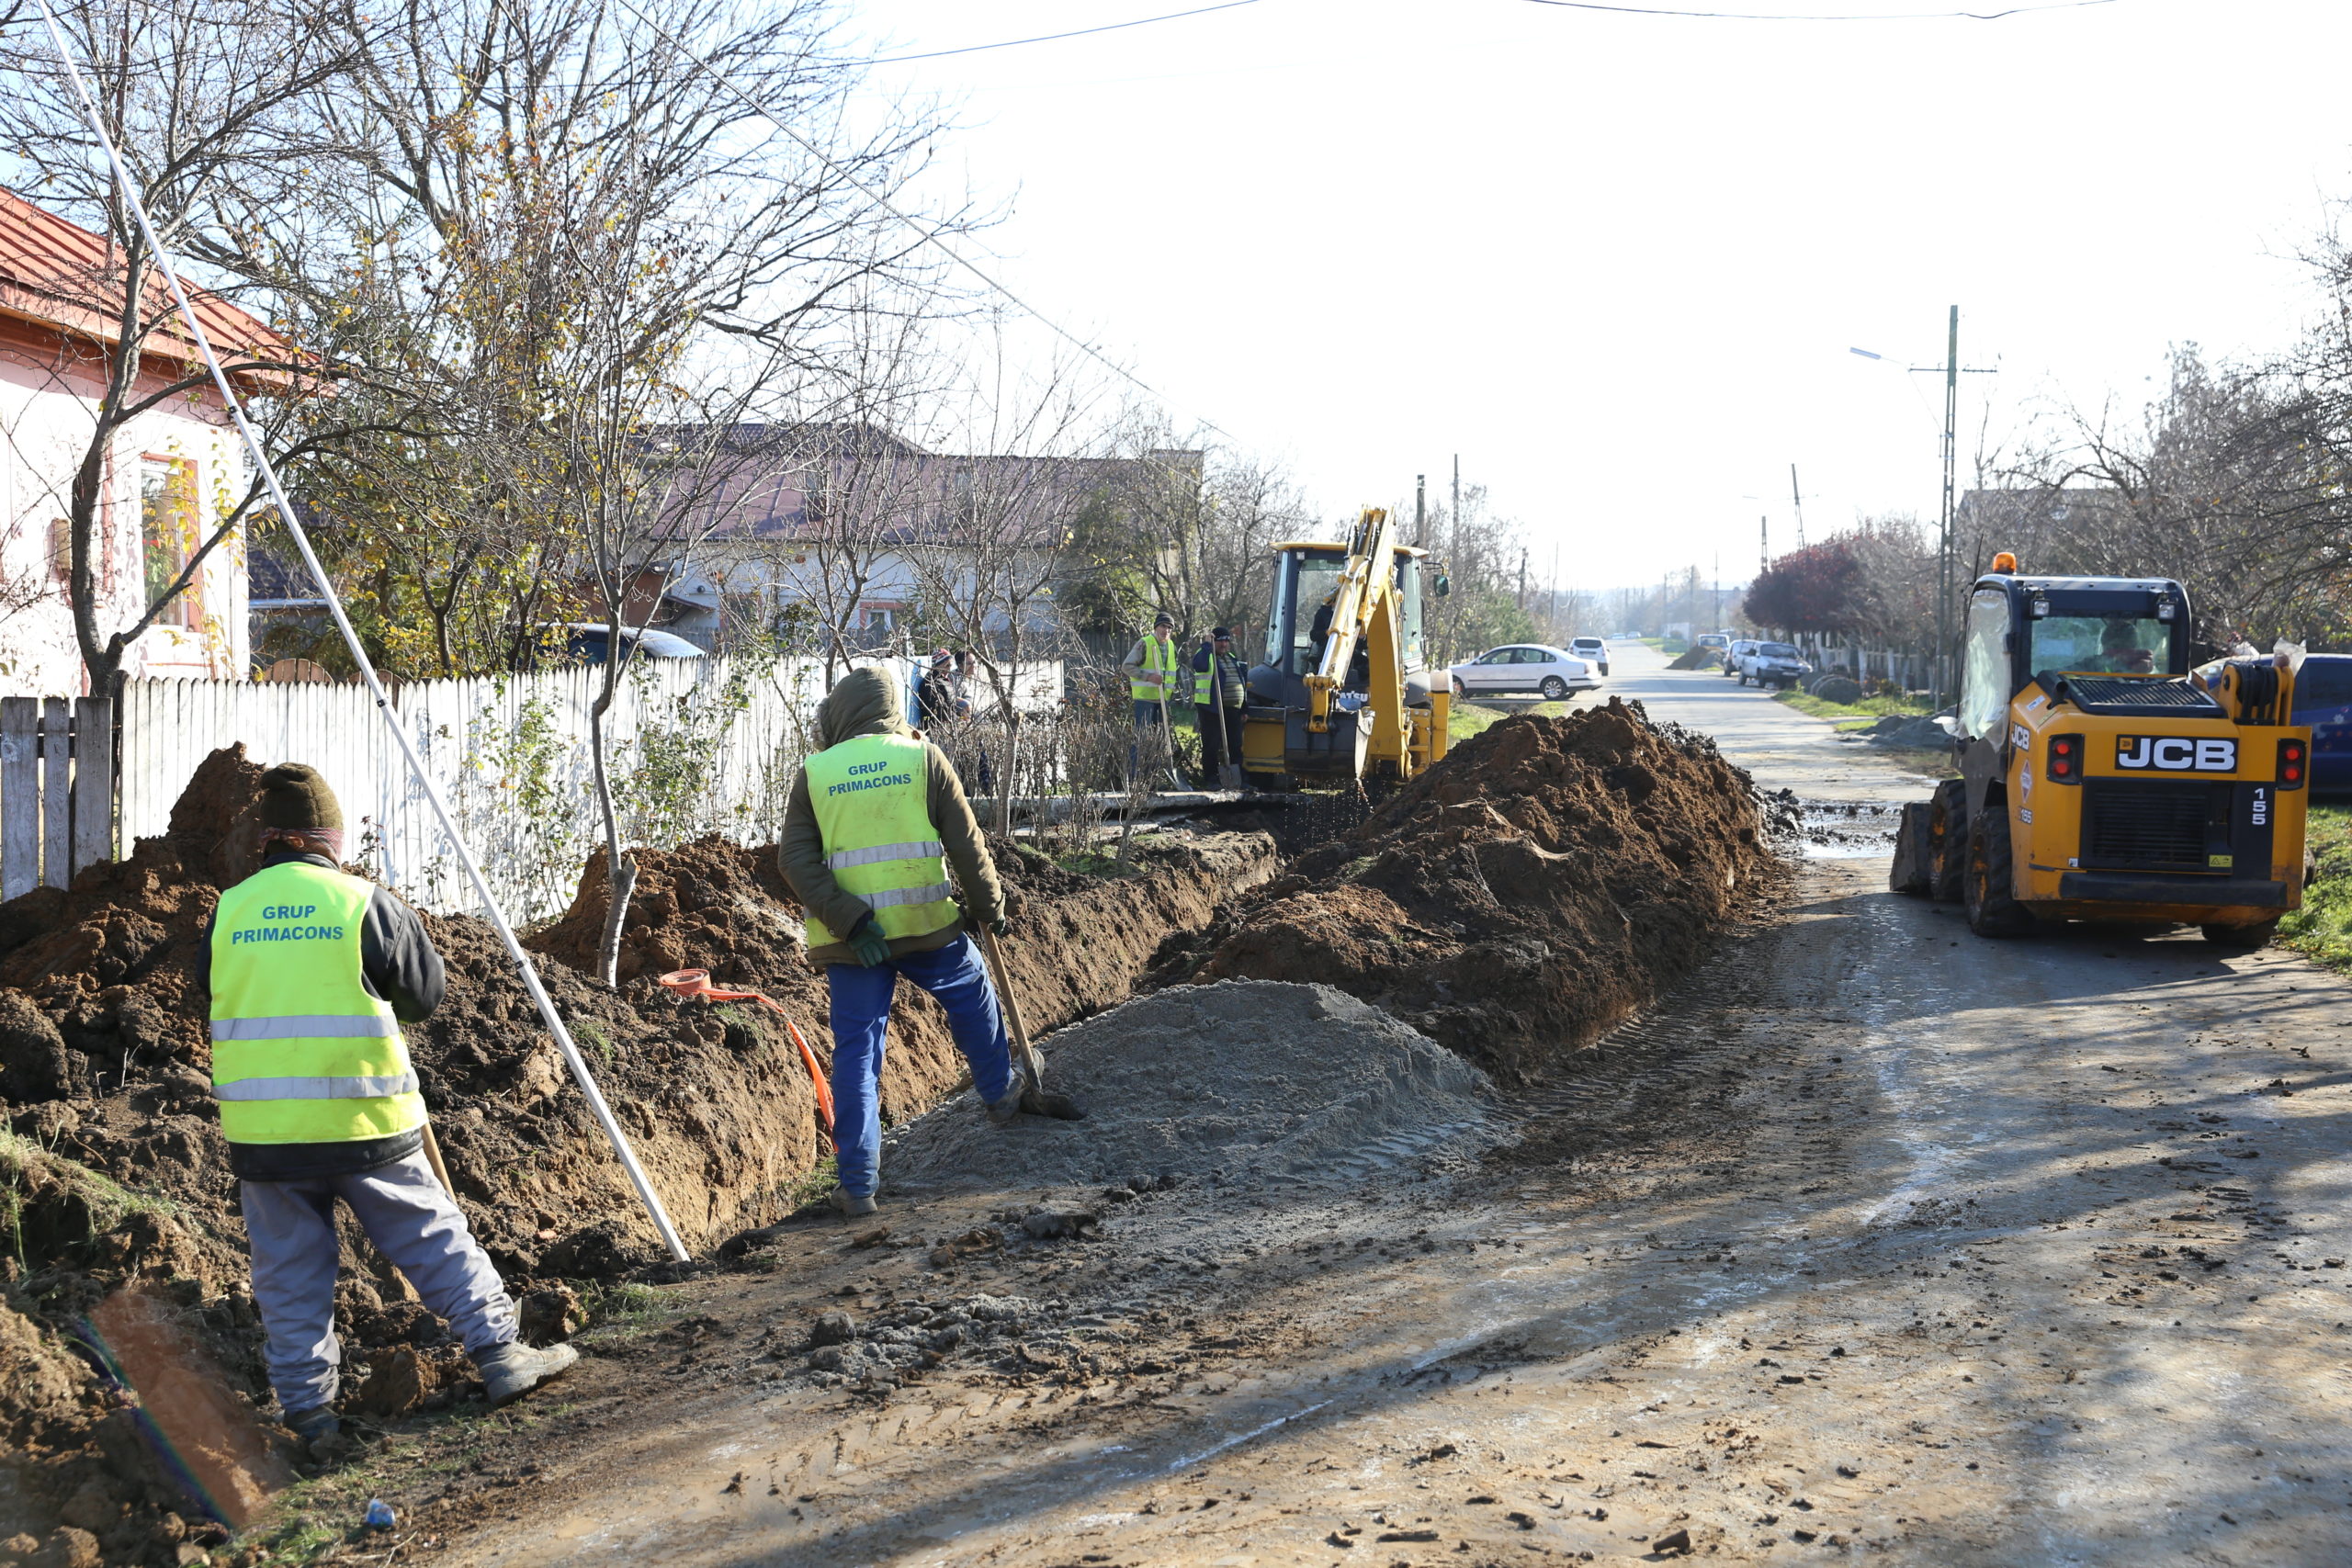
(989, 552)
(208, 104)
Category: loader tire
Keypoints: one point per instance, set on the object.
(1991, 891)
(1947, 856)
(1913, 873)
(2240, 939)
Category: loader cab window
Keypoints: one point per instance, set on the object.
(2107, 645)
(1305, 581)
(1408, 594)
(1985, 665)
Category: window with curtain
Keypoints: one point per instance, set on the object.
(167, 535)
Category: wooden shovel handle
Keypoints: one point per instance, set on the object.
(1012, 1004)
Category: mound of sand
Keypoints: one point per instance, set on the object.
(1522, 897)
(1244, 1083)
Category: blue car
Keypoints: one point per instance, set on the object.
(2324, 701)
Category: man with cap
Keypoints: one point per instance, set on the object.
(1153, 667)
(312, 974)
(875, 820)
(1220, 694)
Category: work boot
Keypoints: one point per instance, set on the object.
(1002, 1110)
(849, 1205)
(512, 1370)
(318, 1429)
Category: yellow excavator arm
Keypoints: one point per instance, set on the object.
(1368, 579)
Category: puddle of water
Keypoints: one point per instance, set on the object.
(1846, 829)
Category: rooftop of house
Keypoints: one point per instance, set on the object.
(56, 274)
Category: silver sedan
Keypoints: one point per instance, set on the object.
(1552, 672)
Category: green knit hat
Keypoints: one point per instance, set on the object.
(294, 797)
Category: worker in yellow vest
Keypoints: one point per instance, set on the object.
(875, 820)
(312, 974)
(1156, 678)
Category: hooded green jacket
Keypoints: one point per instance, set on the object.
(866, 702)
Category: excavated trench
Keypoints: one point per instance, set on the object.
(1511, 906)
(116, 1182)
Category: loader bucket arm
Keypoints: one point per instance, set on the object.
(1365, 582)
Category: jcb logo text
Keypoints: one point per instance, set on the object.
(2176, 754)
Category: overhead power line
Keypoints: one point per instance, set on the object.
(1848, 16)
(1051, 38)
(931, 235)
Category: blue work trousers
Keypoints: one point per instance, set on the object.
(958, 977)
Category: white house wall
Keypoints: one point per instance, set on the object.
(45, 426)
(786, 574)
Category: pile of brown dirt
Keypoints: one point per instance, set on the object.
(115, 1178)
(711, 904)
(1700, 659)
(1516, 901)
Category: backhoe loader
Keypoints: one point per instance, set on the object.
(2100, 779)
(1342, 695)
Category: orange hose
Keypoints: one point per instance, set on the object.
(696, 983)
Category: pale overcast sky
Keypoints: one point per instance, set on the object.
(1617, 262)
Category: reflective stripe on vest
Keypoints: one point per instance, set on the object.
(872, 796)
(306, 1026)
(1161, 658)
(301, 1053)
(921, 850)
(316, 1088)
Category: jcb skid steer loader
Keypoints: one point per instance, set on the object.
(2100, 780)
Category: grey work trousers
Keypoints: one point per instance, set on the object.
(411, 1219)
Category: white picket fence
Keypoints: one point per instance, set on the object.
(699, 746)
(56, 790)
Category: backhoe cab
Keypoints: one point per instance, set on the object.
(2100, 780)
(1343, 695)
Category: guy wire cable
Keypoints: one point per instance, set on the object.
(350, 639)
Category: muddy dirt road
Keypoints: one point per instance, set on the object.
(1875, 1239)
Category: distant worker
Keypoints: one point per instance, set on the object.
(1153, 667)
(2119, 650)
(874, 819)
(312, 974)
(935, 692)
(1219, 695)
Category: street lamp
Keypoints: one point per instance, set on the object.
(1950, 371)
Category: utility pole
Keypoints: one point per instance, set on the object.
(1523, 577)
(1763, 544)
(1797, 497)
(1420, 509)
(1947, 569)
(1457, 498)
(1944, 534)
(1552, 601)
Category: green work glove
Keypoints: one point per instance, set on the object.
(868, 945)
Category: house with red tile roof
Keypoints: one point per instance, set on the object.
(168, 478)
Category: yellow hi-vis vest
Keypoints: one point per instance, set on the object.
(1159, 657)
(301, 1053)
(872, 796)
